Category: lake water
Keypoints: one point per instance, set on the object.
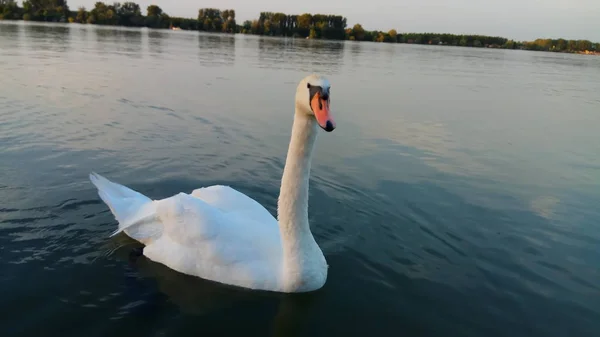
(458, 196)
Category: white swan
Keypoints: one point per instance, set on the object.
(220, 234)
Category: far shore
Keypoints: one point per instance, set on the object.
(306, 26)
(587, 52)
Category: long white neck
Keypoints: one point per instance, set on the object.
(301, 254)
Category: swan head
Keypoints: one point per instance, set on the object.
(313, 98)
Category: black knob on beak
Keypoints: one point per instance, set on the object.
(329, 126)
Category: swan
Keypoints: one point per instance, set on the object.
(220, 234)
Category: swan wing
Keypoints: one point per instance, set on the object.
(230, 200)
(219, 234)
(199, 239)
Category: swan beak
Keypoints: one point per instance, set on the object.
(320, 107)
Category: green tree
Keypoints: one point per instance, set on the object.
(154, 10)
(256, 27)
(572, 45)
(129, 14)
(229, 24)
(156, 18)
(207, 25)
(81, 16)
(46, 10)
(9, 10)
(561, 45)
(583, 45)
(359, 32)
(217, 24)
(305, 21)
(247, 25)
(303, 24)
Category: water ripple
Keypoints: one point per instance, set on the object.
(418, 199)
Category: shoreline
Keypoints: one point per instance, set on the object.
(304, 26)
(175, 28)
(587, 52)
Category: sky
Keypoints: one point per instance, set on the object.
(513, 19)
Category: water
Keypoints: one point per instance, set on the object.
(457, 197)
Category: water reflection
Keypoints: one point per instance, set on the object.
(104, 35)
(49, 37)
(199, 297)
(442, 185)
(389, 51)
(301, 55)
(130, 42)
(12, 38)
(216, 49)
(155, 42)
(355, 48)
(118, 40)
(8, 30)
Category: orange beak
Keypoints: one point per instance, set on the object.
(322, 113)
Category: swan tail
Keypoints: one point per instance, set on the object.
(135, 212)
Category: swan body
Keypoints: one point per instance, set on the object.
(220, 234)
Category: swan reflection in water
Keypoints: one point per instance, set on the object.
(280, 314)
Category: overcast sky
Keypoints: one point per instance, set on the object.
(517, 19)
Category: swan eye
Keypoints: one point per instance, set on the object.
(313, 90)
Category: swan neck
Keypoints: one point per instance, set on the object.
(293, 197)
(303, 263)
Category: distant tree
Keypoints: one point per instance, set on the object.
(358, 32)
(247, 25)
(46, 10)
(228, 18)
(543, 44)
(317, 26)
(583, 45)
(81, 16)
(207, 24)
(156, 18)
(9, 10)
(256, 27)
(154, 10)
(217, 24)
(129, 13)
(393, 35)
(304, 21)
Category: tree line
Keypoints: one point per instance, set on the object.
(313, 26)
